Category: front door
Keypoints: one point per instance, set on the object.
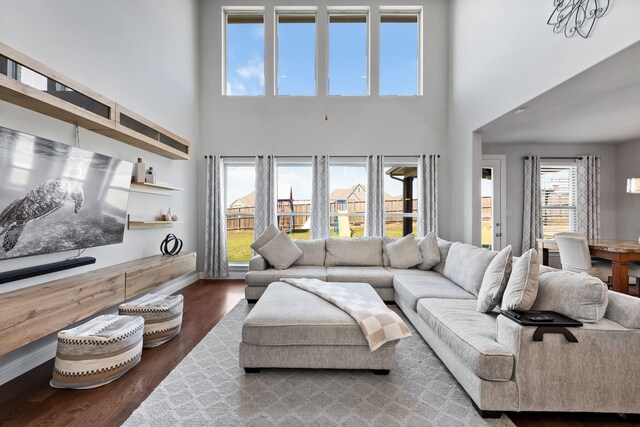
(492, 214)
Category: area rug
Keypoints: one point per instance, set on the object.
(208, 388)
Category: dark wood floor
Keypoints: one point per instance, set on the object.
(28, 400)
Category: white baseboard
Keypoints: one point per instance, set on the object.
(47, 350)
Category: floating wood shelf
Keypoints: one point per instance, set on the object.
(142, 225)
(58, 96)
(160, 188)
(35, 312)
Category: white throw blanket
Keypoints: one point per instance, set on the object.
(379, 324)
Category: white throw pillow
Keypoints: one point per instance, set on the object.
(404, 253)
(266, 236)
(281, 252)
(495, 281)
(430, 251)
(522, 287)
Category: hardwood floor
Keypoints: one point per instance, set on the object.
(29, 400)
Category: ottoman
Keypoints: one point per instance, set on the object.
(162, 316)
(97, 352)
(293, 328)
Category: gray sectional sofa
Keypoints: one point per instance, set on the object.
(494, 359)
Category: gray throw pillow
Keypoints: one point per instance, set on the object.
(495, 281)
(281, 252)
(266, 236)
(444, 247)
(430, 251)
(404, 253)
(522, 287)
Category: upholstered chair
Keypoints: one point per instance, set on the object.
(575, 256)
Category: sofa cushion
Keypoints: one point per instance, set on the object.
(522, 287)
(264, 277)
(579, 296)
(413, 288)
(466, 265)
(409, 272)
(313, 252)
(307, 320)
(377, 277)
(266, 236)
(404, 253)
(470, 335)
(495, 281)
(430, 250)
(385, 256)
(443, 246)
(361, 251)
(624, 309)
(280, 251)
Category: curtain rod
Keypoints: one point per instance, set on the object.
(333, 157)
(556, 158)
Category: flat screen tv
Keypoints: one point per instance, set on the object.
(56, 197)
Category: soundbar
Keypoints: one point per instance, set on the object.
(39, 270)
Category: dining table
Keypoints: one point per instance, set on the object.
(619, 252)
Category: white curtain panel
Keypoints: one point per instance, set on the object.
(588, 197)
(532, 206)
(427, 194)
(215, 246)
(374, 211)
(265, 194)
(320, 197)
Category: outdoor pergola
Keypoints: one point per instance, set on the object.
(405, 174)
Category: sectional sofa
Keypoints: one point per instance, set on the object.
(494, 359)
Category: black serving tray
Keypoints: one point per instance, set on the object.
(523, 318)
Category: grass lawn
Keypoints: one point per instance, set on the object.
(238, 242)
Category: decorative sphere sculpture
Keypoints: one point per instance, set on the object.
(174, 249)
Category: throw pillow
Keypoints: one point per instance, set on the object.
(404, 253)
(430, 251)
(281, 252)
(444, 247)
(266, 236)
(495, 281)
(522, 287)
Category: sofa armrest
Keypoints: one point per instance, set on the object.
(596, 374)
(257, 263)
(624, 309)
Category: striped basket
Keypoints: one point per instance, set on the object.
(162, 316)
(97, 352)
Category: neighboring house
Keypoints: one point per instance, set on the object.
(357, 193)
(247, 201)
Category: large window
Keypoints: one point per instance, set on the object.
(399, 54)
(240, 178)
(244, 53)
(348, 54)
(558, 198)
(400, 199)
(296, 47)
(348, 199)
(294, 199)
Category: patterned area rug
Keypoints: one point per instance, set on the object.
(208, 388)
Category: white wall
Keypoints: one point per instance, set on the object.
(503, 54)
(627, 205)
(355, 126)
(141, 54)
(515, 181)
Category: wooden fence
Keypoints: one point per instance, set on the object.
(236, 221)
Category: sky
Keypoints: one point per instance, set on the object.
(296, 74)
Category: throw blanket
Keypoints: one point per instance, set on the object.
(379, 324)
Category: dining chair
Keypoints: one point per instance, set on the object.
(634, 274)
(575, 256)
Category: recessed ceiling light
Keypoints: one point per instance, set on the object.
(520, 110)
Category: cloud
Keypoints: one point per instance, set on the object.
(236, 88)
(253, 70)
(257, 32)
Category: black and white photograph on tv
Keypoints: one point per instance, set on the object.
(56, 197)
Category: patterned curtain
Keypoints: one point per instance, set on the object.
(215, 245)
(588, 200)
(265, 194)
(374, 210)
(320, 197)
(427, 194)
(532, 208)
